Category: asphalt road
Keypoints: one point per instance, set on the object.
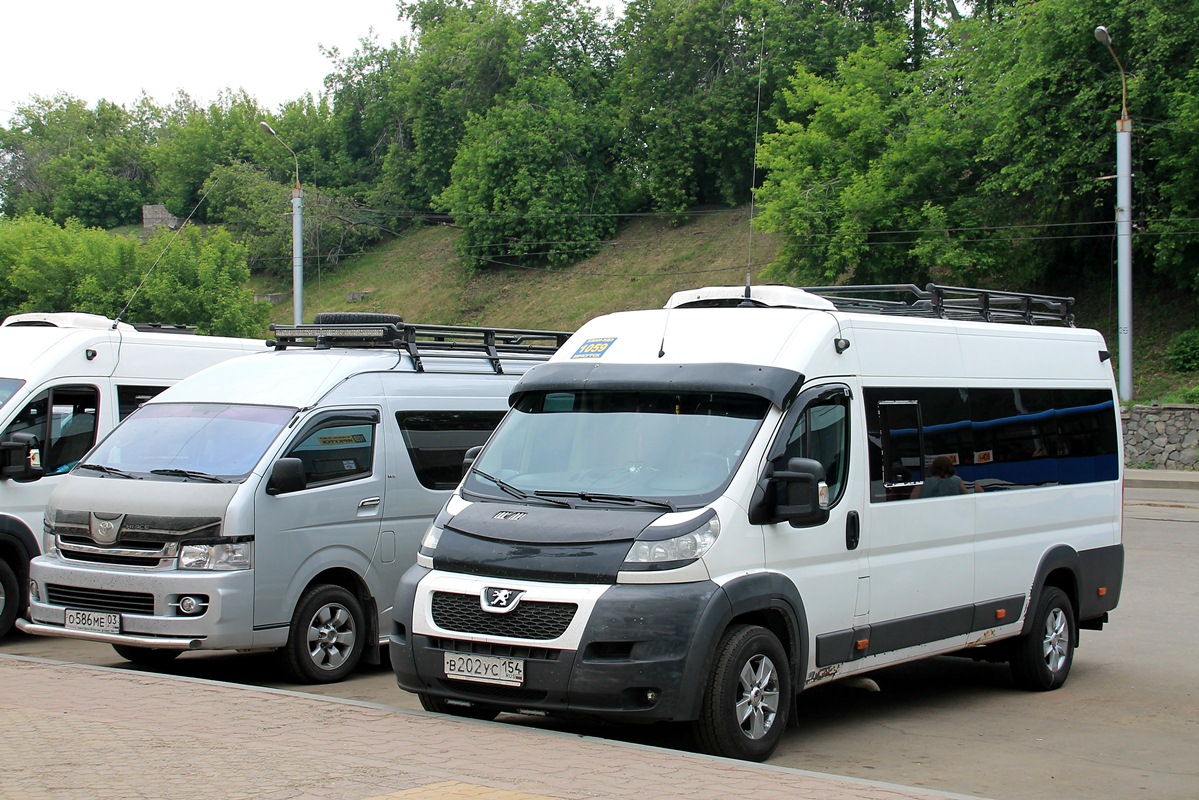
(1126, 724)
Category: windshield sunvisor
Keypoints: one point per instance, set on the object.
(775, 384)
(546, 544)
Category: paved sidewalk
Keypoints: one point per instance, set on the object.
(71, 731)
(1161, 479)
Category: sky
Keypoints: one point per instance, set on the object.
(114, 49)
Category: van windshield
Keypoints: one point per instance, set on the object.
(8, 387)
(189, 441)
(618, 447)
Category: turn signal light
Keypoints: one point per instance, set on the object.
(861, 644)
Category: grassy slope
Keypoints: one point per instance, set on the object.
(419, 277)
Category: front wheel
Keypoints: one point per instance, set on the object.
(748, 696)
(1041, 659)
(146, 656)
(327, 635)
(10, 597)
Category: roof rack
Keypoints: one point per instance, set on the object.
(950, 302)
(425, 341)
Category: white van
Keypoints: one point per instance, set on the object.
(65, 380)
(695, 512)
(273, 501)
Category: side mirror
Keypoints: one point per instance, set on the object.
(797, 495)
(468, 458)
(287, 476)
(21, 457)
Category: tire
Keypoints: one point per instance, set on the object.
(1041, 659)
(11, 598)
(146, 656)
(748, 696)
(327, 635)
(439, 705)
(355, 318)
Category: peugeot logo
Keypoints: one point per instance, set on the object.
(104, 529)
(498, 600)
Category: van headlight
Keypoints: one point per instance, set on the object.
(428, 542)
(676, 551)
(218, 557)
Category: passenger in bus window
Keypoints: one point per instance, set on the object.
(942, 481)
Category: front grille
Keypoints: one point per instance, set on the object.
(530, 619)
(99, 599)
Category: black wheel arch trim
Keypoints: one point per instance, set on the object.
(1092, 571)
(757, 592)
(15, 535)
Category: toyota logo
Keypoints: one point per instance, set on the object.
(105, 529)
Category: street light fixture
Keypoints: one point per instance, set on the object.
(297, 233)
(1123, 225)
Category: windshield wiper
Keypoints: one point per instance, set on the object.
(120, 473)
(188, 473)
(520, 494)
(601, 497)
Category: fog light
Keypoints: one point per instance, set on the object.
(190, 605)
(34, 592)
(651, 696)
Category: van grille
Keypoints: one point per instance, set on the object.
(99, 599)
(530, 620)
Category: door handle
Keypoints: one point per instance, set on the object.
(853, 531)
(370, 502)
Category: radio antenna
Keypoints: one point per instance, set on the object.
(753, 181)
(145, 277)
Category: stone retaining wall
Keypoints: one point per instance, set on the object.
(1161, 437)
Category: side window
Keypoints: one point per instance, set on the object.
(820, 431)
(131, 398)
(437, 441)
(64, 420)
(917, 436)
(338, 451)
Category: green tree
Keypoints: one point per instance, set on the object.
(533, 179)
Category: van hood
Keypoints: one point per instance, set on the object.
(168, 510)
(539, 543)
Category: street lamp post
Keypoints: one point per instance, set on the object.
(1123, 226)
(297, 234)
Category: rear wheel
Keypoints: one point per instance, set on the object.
(1041, 659)
(439, 705)
(10, 598)
(748, 696)
(327, 635)
(146, 656)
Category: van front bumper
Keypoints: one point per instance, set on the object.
(640, 658)
(226, 623)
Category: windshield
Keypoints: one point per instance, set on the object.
(190, 441)
(654, 448)
(8, 387)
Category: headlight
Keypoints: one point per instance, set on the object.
(217, 556)
(428, 542)
(675, 551)
(49, 545)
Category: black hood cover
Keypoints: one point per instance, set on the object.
(555, 544)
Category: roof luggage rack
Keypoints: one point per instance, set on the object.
(425, 341)
(950, 302)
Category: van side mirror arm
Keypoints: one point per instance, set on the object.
(468, 458)
(797, 495)
(287, 475)
(21, 457)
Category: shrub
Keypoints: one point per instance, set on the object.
(1184, 351)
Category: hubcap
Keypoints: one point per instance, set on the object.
(758, 697)
(1057, 640)
(331, 636)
